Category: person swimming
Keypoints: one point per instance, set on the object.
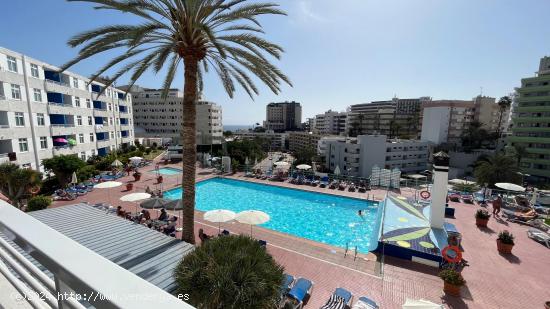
(360, 212)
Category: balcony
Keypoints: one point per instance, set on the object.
(62, 129)
(538, 150)
(529, 139)
(545, 108)
(536, 172)
(48, 260)
(530, 119)
(104, 143)
(531, 129)
(533, 98)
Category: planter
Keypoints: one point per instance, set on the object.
(451, 289)
(159, 179)
(482, 222)
(504, 248)
(137, 177)
(547, 305)
(129, 186)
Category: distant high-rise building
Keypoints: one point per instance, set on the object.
(394, 118)
(284, 116)
(44, 112)
(445, 121)
(531, 122)
(330, 122)
(155, 116)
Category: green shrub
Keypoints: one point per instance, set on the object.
(148, 151)
(230, 272)
(86, 172)
(506, 237)
(38, 203)
(452, 277)
(482, 214)
(49, 185)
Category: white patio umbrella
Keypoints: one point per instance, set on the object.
(252, 217)
(509, 186)
(116, 163)
(108, 185)
(219, 216)
(281, 164)
(74, 179)
(420, 304)
(134, 197)
(534, 197)
(337, 170)
(303, 167)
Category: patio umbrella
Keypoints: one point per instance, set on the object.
(74, 179)
(219, 216)
(337, 170)
(60, 140)
(509, 186)
(135, 159)
(134, 197)
(252, 217)
(108, 185)
(246, 161)
(303, 167)
(71, 141)
(116, 163)
(534, 197)
(154, 202)
(420, 304)
(175, 205)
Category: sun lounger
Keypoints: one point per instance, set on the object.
(539, 236)
(365, 303)
(333, 185)
(351, 187)
(342, 186)
(298, 293)
(340, 299)
(518, 216)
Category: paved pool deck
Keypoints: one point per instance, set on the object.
(521, 280)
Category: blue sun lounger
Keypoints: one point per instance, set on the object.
(300, 290)
(365, 303)
(341, 298)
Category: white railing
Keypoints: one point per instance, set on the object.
(63, 125)
(57, 83)
(77, 271)
(60, 104)
(4, 126)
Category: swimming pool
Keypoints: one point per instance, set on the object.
(324, 218)
(168, 171)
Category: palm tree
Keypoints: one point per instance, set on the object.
(503, 104)
(223, 35)
(16, 183)
(497, 168)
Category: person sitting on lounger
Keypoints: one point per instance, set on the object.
(163, 215)
(120, 212)
(526, 215)
(170, 228)
(203, 236)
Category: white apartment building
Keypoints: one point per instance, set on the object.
(155, 116)
(445, 121)
(330, 122)
(276, 141)
(357, 156)
(45, 113)
(283, 116)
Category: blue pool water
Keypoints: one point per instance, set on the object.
(324, 218)
(168, 171)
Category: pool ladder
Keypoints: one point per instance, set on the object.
(347, 249)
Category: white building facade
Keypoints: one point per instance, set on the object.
(45, 113)
(331, 122)
(277, 141)
(158, 117)
(357, 157)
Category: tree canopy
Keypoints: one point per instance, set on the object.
(497, 168)
(16, 182)
(63, 166)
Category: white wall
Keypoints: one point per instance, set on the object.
(435, 124)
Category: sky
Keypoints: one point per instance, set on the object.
(337, 53)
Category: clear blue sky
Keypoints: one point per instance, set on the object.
(339, 53)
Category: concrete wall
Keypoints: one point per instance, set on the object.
(435, 124)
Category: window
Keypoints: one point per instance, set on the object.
(112, 135)
(15, 92)
(23, 145)
(88, 103)
(19, 119)
(110, 106)
(83, 156)
(90, 121)
(91, 137)
(79, 120)
(43, 142)
(81, 138)
(37, 95)
(75, 82)
(34, 70)
(12, 64)
(40, 119)
(77, 101)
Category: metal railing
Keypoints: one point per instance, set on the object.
(57, 83)
(62, 125)
(78, 272)
(60, 104)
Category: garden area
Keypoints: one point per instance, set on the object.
(31, 190)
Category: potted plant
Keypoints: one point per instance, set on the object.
(137, 176)
(505, 242)
(482, 217)
(159, 179)
(452, 281)
(129, 186)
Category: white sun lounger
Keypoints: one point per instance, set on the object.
(539, 236)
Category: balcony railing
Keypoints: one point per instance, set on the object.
(63, 125)
(4, 126)
(60, 104)
(57, 83)
(77, 271)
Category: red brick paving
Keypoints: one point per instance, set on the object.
(493, 281)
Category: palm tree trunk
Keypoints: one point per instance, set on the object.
(188, 138)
